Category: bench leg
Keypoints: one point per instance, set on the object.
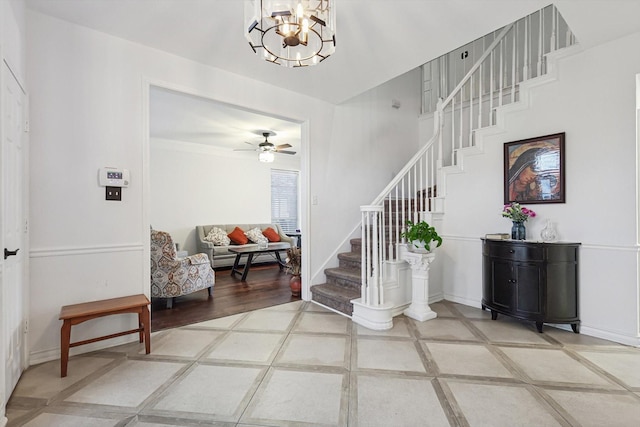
(65, 340)
(146, 322)
(141, 325)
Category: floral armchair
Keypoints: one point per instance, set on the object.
(172, 276)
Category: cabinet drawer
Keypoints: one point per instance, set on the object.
(515, 252)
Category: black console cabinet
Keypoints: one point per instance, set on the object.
(531, 281)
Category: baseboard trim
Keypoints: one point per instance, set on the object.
(43, 356)
(605, 335)
(462, 300)
(586, 330)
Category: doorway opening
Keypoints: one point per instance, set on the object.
(204, 169)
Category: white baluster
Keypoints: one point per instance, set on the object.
(397, 223)
(540, 47)
(375, 297)
(413, 193)
(471, 113)
(480, 90)
(513, 65)
(491, 89)
(453, 128)
(527, 48)
(404, 221)
(501, 71)
(363, 257)
(460, 131)
(554, 29)
(439, 129)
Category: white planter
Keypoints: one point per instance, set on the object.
(418, 247)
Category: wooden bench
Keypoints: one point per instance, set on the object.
(78, 313)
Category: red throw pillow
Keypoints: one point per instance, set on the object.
(238, 237)
(271, 234)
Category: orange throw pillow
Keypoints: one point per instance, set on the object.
(238, 237)
(271, 234)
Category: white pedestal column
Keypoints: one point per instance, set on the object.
(419, 308)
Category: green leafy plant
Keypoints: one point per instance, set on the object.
(421, 232)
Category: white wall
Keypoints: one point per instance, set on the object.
(13, 34)
(195, 184)
(593, 101)
(88, 108)
(370, 142)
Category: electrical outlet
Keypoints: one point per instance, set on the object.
(113, 193)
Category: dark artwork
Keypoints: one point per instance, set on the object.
(534, 170)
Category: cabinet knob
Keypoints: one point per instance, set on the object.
(511, 251)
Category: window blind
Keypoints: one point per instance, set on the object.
(284, 199)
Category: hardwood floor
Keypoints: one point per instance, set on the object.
(265, 286)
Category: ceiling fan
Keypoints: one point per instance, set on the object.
(268, 147)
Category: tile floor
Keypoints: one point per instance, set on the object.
(300, 365)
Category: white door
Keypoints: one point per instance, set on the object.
(13, 229)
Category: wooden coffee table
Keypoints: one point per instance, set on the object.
(274, 248)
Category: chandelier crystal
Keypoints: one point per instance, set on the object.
(292, 33)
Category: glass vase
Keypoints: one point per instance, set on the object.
(518, 231)
(548, 233)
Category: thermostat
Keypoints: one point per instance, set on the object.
(113, 177)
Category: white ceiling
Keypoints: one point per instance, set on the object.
(377, 40)
(183, 117)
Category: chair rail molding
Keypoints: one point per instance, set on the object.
(84, 250)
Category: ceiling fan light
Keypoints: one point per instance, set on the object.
(266, 157)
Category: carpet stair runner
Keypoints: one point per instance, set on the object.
(343, 282)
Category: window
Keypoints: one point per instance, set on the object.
(284, 199)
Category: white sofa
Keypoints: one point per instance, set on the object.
(220, 256)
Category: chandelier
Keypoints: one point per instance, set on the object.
(293, 33)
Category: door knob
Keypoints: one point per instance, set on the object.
(8, 253)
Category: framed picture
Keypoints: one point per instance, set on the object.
(534, 170)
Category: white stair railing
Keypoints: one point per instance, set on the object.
(492, 82)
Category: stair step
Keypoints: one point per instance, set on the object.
(350, 260)
(345, 277)
(356, 245)
(335, 296)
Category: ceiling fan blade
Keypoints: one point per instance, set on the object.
(281, 146)
(250, 143)
(245, 149)
(285, 152)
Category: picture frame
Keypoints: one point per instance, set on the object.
(534, 170)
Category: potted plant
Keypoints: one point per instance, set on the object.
(518, 215)
(293, 262)
(422, 236)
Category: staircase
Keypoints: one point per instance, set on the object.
(343, 282)
(374, 291)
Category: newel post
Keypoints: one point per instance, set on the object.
(420, 263)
